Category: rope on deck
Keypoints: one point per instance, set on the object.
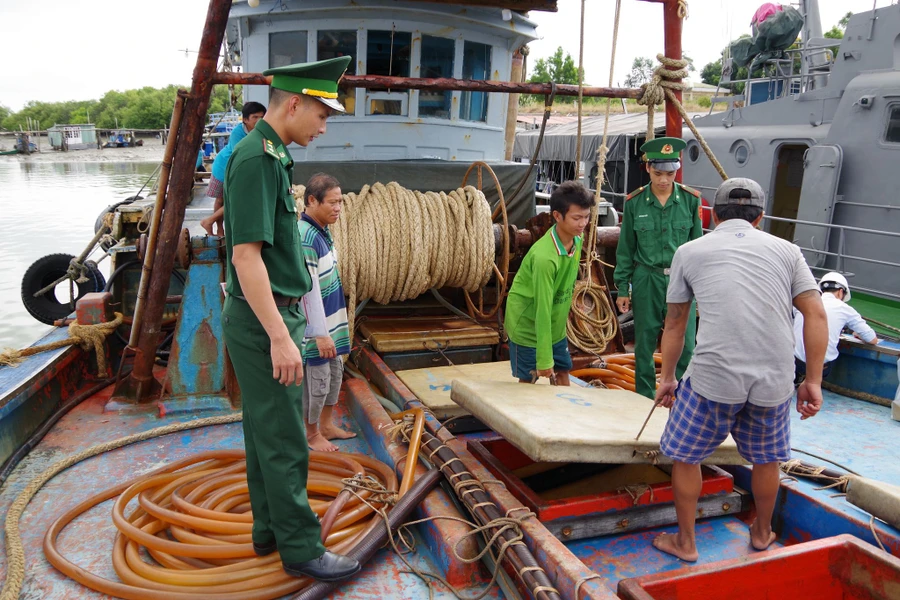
(15, 551)
(87, 336)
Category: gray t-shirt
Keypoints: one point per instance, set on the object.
(744, 281)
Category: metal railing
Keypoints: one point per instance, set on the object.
(841, 253)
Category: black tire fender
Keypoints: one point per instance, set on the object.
(47, 308)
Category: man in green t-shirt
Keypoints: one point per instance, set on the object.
(540, 298)
(262, 319)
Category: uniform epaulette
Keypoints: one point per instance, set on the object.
(690, 190)
(269, 149)
(635, 192)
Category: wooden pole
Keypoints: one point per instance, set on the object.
(512, 106)
(672, 24)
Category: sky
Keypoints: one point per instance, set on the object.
(77, 50)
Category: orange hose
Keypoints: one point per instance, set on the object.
(194, 520)
(415, 441)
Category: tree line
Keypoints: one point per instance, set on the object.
(145, 108)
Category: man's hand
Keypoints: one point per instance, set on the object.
(326, 346)
(624, 304)
(287, 364)
(809, 399)
(665, 393)
(548, 373)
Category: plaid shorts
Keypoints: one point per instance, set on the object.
(215, 188)
(697, 426)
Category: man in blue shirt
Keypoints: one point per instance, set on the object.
(250, 114)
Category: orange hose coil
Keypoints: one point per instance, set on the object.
(193, 518)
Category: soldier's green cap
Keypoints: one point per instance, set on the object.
(664, 153)
(317, 79)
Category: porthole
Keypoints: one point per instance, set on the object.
(693, 151)
(741, 150)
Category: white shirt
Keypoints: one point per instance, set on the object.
(840, 315)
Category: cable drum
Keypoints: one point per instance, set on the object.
(394, 244)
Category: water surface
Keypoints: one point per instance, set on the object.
(47, 208)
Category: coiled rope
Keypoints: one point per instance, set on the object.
(394, 243)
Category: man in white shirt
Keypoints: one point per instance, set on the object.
(835, 294)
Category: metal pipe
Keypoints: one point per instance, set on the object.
(866, 204)
(833, 226)
(141, 384)
(443, 84)
(158, 208)
(607, 237)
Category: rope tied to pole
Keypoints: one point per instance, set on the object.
(662, 86)
(88, 337)
(592, 323)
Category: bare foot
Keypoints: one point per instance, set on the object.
(320, 444)
(668, 543)
(333, 432)
(761, 540)
(207, 224)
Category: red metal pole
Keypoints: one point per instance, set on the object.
(443, 84)
(140, 384)
(672, 30)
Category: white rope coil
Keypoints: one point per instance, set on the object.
(394, 243)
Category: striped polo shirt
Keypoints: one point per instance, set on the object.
(321, 260)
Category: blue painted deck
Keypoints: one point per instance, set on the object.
(632, 555)
(857, 434)
(89, 539)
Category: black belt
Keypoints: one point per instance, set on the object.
(280, 301)
(661, 270)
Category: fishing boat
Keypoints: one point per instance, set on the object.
(120, 432)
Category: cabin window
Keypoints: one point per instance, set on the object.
(388, 53)
(332, 44)
(437, 61)
(893, 128)
(287, 48)
(476, 65)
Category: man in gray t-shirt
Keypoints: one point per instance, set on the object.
(740, 380)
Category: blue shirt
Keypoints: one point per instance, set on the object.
(221, 161)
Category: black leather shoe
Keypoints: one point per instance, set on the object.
(328, 567)
(264, 549)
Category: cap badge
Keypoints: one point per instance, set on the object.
(667, 149)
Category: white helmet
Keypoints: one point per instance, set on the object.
(835, 281)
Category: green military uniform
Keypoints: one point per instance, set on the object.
(650, 234)
(259, 207)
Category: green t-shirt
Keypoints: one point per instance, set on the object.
(541, 295)
(651, 233)
(259, 207)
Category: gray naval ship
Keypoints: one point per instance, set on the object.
(820, 131)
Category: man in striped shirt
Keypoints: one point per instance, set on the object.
(327, 334)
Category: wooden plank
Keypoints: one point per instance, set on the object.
(643, 517)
